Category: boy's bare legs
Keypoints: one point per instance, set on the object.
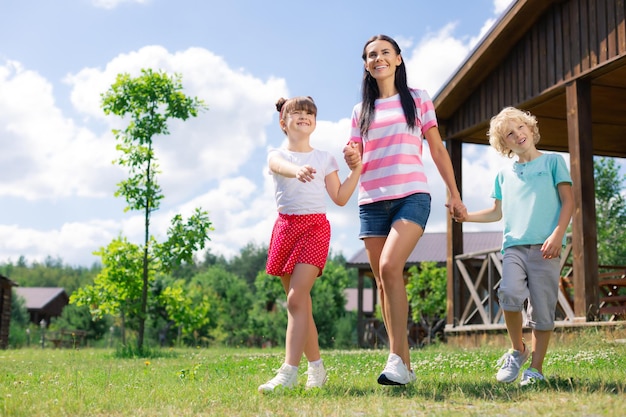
(541, 340)
(301, 330)
(514, 324)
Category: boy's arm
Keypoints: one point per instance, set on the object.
(488, 215)
(553, 245)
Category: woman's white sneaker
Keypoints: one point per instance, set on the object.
(395, 372)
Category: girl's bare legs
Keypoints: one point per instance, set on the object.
(301, 334)
(387, 258)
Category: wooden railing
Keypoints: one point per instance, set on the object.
(67, 338)
(481, 273)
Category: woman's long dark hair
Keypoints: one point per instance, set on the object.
(369, 90)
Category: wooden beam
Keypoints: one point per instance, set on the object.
(584, 230)
(455, 240)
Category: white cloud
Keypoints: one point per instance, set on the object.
(432, 61)
(45, 154)
(112, 4)
(198, 150)
(499, 6)
(55, 157)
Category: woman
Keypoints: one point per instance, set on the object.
(389, 126)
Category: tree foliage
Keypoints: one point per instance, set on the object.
(610, 212)
(232, 302)
(426, 291)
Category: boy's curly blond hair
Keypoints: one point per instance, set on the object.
(498, 128)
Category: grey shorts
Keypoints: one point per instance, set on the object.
(527, 275)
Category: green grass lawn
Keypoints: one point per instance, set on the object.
(587, 377)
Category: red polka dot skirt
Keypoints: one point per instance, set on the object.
(298, 239)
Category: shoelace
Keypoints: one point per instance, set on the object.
(507, 360)
(315, 373)
(281, 378)
(533, 375)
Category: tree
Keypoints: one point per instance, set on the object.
(150, 100)
(117, 289)
(231, 300)
(610, 212)
(426, 291)
(249, 262)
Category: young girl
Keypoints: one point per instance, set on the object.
(535, 199)
(389, 126)
(301, 236)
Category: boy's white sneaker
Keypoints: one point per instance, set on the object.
(511, 363)
(531, 376)
(395, 372)
(286, 377)
(316, 376)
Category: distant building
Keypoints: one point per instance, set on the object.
(43, 303)
(352, 300)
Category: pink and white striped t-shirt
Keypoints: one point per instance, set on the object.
(392, 153)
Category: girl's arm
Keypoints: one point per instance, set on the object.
(281, 166)
(553, 245)
(444, 166)
(341, 193)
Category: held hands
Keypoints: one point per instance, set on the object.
(352, 155)
(305, 173)
(457, 209)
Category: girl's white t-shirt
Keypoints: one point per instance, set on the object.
(296, 197)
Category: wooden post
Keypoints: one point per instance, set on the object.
(455, 242)
(584, 230)
(360, 324)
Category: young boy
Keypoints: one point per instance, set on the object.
(535, 199)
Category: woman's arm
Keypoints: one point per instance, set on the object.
(442, 160)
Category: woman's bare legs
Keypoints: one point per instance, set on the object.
(387, 257)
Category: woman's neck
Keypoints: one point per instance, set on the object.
(387, 88)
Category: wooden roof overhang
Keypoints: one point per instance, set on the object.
(565, 62)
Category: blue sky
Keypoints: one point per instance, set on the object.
(239, 56)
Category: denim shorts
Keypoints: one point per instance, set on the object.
(377, 218)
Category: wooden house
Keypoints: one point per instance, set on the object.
(43, 303)
(565, 62)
